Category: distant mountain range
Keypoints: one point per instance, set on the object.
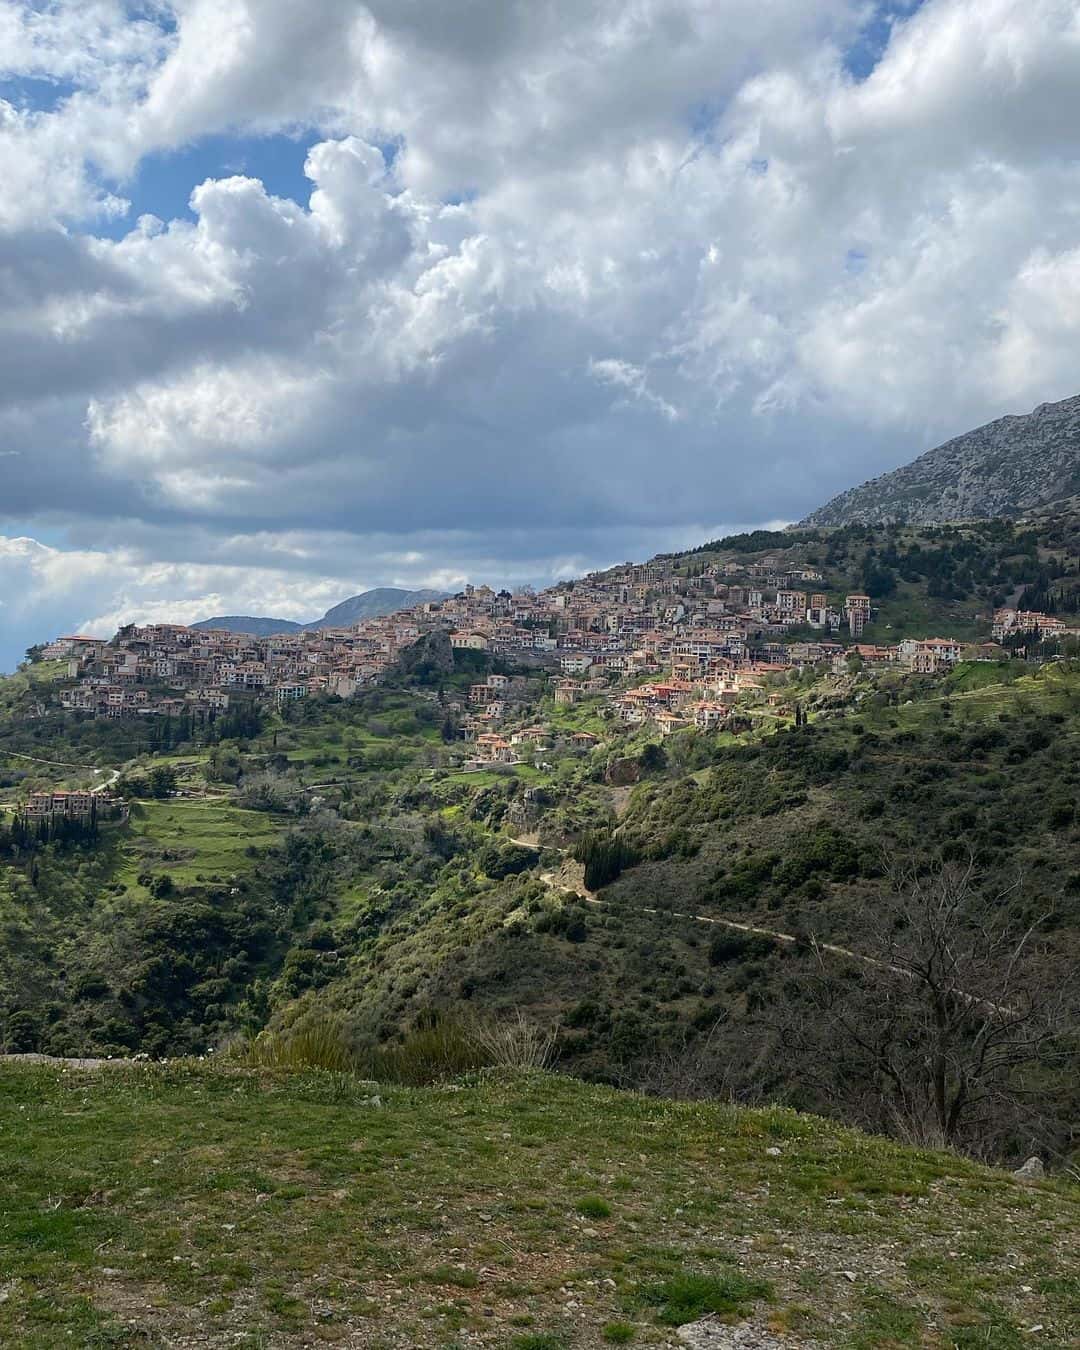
(368, 605)
(1006, 468)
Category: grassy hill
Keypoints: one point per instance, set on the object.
(197, 1204)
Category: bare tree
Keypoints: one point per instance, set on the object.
(954, 1024)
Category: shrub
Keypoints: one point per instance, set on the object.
(316, 1043)
(593, 1207)
(499, 862)
(685, 1298)
(729, 945)
(749, 876)
(444, 1048)
(605, 855)
(583, 1014)
(516, 1043)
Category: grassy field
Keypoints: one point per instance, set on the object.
(481, 778)
(190, 839)
(192, 1205)
(583, 716)
(972, 696)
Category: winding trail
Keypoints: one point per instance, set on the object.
(555, 881)
(87, 768)
(96, 790)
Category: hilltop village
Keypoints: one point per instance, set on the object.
(672, 644)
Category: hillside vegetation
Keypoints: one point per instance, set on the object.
(194, 1204)
(680, 916)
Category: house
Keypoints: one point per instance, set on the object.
(469, 642)
(81, 648)
(927, 656)
(492, 748)
(709, 715)
(1008, 622)
(667, 722)
(489, 691)
(530, 736)
(877, 656)
(818, 614)
(857, 613)
(68, 805)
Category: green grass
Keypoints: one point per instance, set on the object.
(189, 839)
(583, 716)
(977, 698)
(593, 1207)
(483, 778)
(159, 1204)
(686, 1297)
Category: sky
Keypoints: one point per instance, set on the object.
(296, 300)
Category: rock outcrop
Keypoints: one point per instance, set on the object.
(1006, 468)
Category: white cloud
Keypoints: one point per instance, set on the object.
(625, 376)
(565, 271)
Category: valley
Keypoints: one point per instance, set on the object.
(404, 857)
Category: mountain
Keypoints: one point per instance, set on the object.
(368, 605)
(241, 623)
(372, 604)
(1006, 468)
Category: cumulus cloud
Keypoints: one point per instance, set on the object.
(562, 272)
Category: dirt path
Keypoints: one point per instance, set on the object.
(566, 879)
(56, 763)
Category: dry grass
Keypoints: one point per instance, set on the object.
(516, 1042)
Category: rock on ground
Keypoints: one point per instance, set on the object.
(712, 1334)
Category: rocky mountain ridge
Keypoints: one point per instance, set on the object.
(1008, 467)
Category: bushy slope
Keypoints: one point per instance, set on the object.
(378, 882)
(1006, 468)
(791, 833)
(193, 1205)
(201, 918)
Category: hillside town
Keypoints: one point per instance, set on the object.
(670, 645)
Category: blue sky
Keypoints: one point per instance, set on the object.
(164, 180)
(862, 55)
(506, 292)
